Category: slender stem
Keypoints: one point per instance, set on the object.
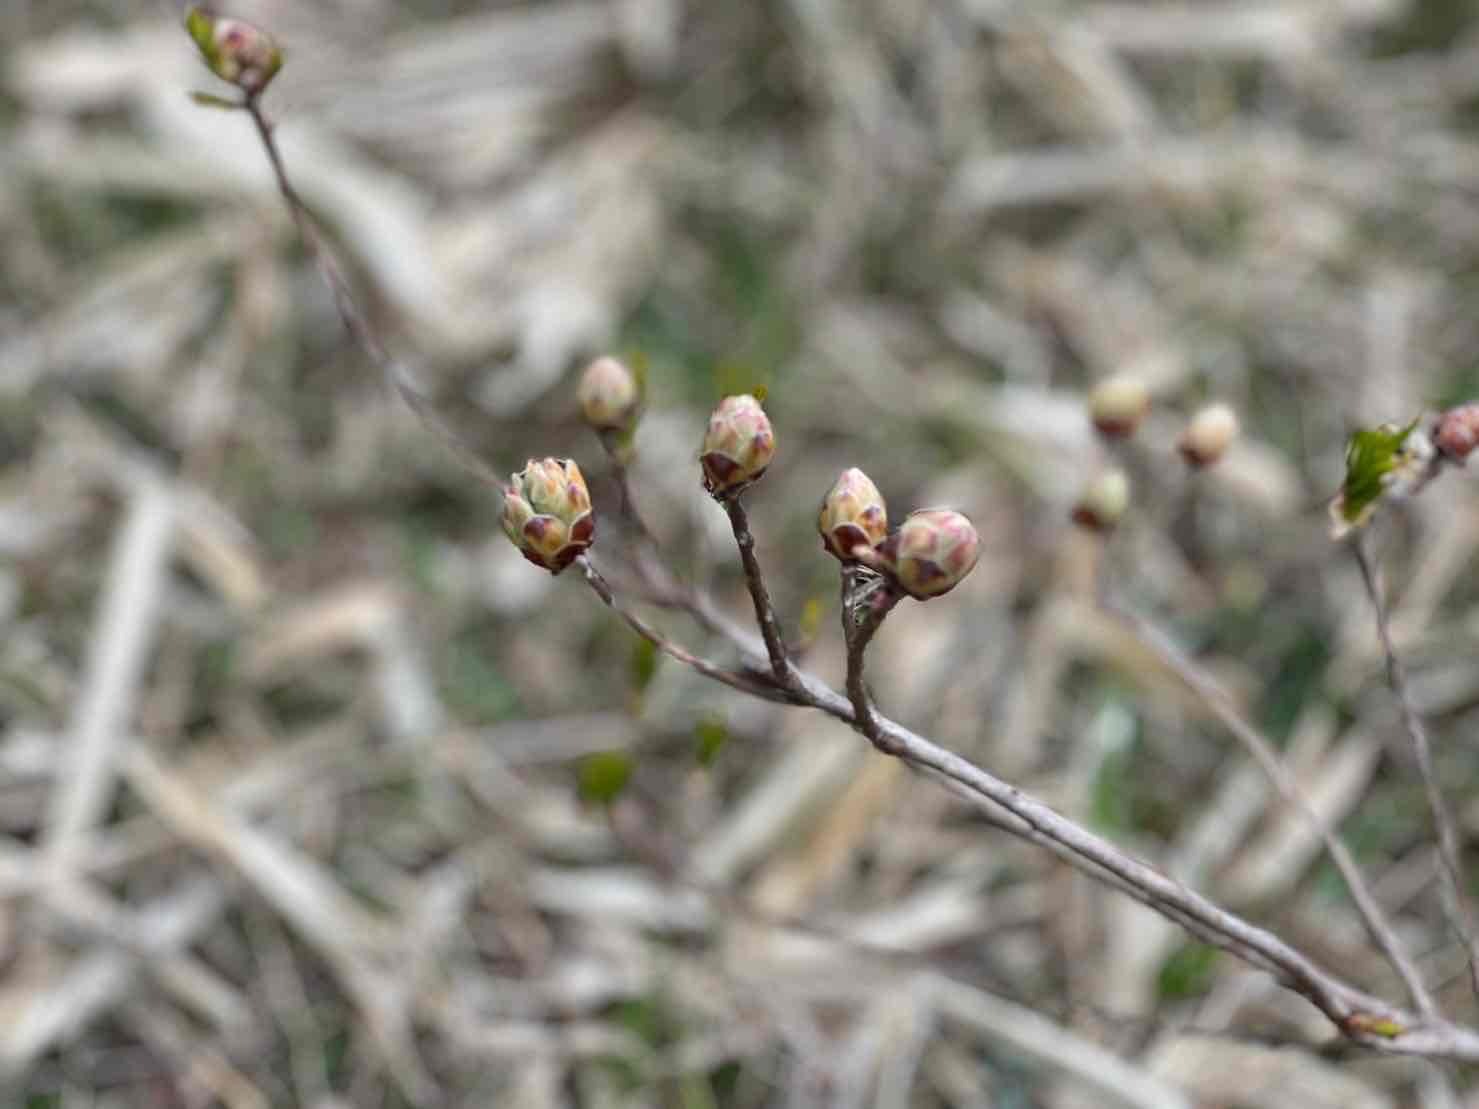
(770, 631)
(744, 682)
(1417, 732)
(866, 600)
(1216, 698)
(397, 376)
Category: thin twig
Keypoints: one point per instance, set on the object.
(775, 646)
(863, 610)
(1216, 698)
(1361, 1017)
(397, 376)
(744, 682)
(1448, 852)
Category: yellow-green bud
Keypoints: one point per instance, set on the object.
(738, 445)
(1118, 404)
(610, 396)
(235, 51)
(933, 550)
(1207, 437)
(1103, 501)
(547, 512)
(853, 515)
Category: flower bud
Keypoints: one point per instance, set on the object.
(853, 515)
(1207, 437)
(609, 395)
(738, 445)
(1103, 501)
(1458, 432)
(1118, 404)
(235, 51)
(547, 512)
(931, 552)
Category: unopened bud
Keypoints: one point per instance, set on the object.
(738, 445)
(609, 395)
(547, 512)
(1103, 501)
(1207, 437)
(853, 515)
(933, 550)
(1458, 432)
(235, 51)
(1118, 404)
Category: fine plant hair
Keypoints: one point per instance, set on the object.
(548, 499)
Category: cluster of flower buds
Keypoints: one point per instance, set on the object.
(929, 555)
(547, 512)
(1207, 436)
(610, 396)
(236, 51)
(738, 446)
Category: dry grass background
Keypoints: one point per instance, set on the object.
(291, 739)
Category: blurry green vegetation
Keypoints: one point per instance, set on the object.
(1188, 973)
(604, 776)
(472, 680)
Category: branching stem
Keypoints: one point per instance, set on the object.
(770, 631)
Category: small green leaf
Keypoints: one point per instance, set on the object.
(211, 100)
(712, 733)
(202, 26)
(644, 664)
(1373, 453)
(604, 775)
(760, 392)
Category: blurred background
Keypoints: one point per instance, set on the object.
(314, 793)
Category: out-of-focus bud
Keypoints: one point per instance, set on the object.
(1457, 432)
(853, 515)
(738, 445)
(235, 50)
(547, 512)
(1103, 501)
(1118, 404)
(931, 552)
(610, 396)
(1206, 438)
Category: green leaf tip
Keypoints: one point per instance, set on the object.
(201, 27)
(1374, 458)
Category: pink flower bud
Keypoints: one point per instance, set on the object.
(1458, 431)
(547, 513)
(853, 515)
(235, 51)
(738, 445)
(931, 552)
(609, 395)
